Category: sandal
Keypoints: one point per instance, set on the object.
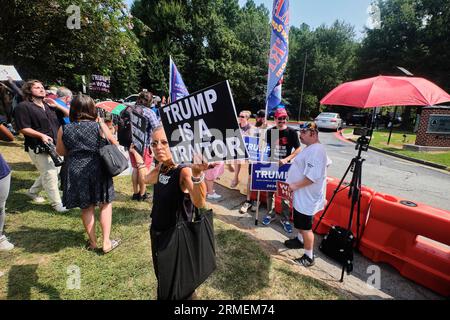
(234, 183)
(114, 244)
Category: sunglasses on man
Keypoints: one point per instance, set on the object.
(308, 126)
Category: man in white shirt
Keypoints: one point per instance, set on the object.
(307, 178)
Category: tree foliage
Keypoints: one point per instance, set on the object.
(210, 41)
(414, 34)
(331, 55)
(35, 38)
(214, 40)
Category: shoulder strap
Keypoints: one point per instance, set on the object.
(101, 130)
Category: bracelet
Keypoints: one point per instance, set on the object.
(141, 167)
(199, 180)
(140, 163)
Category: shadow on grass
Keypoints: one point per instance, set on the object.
(23, 278)
(23, 166)
(20, 183)
(38, 240)
(242, 266)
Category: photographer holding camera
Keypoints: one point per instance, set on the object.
(37, 119)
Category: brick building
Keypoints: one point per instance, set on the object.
(434, 127)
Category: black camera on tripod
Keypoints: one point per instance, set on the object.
(365, 135)
(50, 148)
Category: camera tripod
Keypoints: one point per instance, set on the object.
(354, 189)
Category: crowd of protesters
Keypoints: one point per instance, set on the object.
(55, 120)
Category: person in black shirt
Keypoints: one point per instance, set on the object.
(176, 188)
(36, 118)
(284, 146)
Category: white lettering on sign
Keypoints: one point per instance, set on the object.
(277, 175)
(197, 105)
(184, 152)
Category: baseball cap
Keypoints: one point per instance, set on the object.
(261, 113)
(280, 112)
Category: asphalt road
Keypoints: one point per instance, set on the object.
(395, 176)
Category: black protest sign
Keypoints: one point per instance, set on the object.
(204, 123)
(100, 83)
(138, 132)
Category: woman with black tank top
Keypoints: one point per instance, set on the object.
(177, 188)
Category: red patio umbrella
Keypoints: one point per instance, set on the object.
(107, 105)
(383, 91)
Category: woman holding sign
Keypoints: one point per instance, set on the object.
(177, 189)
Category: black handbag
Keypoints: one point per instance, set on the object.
(338, 245)
(113, 160)
(186, 256)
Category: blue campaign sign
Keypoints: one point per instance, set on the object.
(266, 175)
(253, 148)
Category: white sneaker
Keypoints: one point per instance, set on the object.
(36, 198)
(5, 245)
(245, 207)
(60, 208)
(213, 196)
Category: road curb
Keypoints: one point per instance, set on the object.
(423, 162)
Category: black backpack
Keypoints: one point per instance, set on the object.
(338, 245)
(124, 125)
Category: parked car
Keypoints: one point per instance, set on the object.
(384, 120)
(358, 119)
(131, 99)
(328, 120)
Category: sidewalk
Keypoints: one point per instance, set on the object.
(393, 285)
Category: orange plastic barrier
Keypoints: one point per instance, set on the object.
(413, 239)
(338, 213)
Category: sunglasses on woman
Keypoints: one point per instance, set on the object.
(155, 143)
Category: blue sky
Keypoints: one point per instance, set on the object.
(316, 12)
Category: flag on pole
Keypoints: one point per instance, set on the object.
(177, 88)
(274, 99)
(278, 56)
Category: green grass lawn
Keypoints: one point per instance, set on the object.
(50, 246)
(380, 138)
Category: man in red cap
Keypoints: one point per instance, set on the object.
(284, 146)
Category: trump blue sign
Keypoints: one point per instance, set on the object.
(266, 175)
(256, 152)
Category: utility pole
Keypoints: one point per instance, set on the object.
(303, 82)
(83, 77)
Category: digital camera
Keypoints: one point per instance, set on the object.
(51, 150)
